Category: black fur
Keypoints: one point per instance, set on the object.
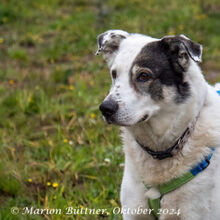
(165, 71)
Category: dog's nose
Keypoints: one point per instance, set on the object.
(108, 108)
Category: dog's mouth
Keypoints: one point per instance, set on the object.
(111, 120)
(108, 120)
(145, 117)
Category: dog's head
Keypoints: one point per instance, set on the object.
(148, 74)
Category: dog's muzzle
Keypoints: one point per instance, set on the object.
(108, 109)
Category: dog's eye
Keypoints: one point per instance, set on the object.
(114, 74)
(143, 77)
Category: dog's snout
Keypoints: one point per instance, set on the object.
(108, 108)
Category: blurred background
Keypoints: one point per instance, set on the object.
(55, 149)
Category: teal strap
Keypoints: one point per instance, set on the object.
(175, 183)
(154, 204)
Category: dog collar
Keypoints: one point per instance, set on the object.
(160, 155)
(175, 183)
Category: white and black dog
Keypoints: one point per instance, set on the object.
(170, 122)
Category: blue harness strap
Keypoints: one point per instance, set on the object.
(202, 165)
(218, 92)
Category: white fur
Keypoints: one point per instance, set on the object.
(198, 199)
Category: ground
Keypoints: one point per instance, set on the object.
(56, 151)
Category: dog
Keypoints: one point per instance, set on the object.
(170, 125)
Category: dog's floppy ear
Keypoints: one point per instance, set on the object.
(108, 43)
(181, 49)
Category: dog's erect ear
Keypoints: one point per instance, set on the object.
(181, 49)
(108, 43)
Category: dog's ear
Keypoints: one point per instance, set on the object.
(181, 49)
(108, 43)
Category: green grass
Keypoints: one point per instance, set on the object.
(51, 85)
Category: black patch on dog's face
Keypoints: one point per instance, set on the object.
(157, 61)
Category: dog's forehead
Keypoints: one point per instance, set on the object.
(129, 50)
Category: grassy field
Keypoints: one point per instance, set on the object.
(56, 151)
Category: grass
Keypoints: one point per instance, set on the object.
(55, 148)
